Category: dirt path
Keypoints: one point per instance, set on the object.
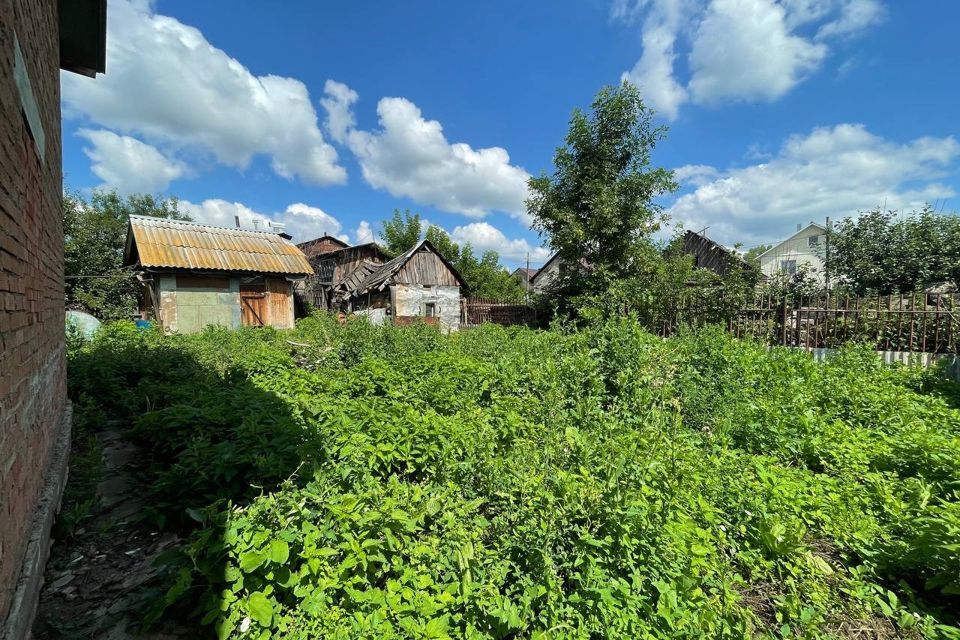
(92, 585)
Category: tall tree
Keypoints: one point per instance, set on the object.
(449, 249)
(95, 231)
(401, 232)
(599, 208)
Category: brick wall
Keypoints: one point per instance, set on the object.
(32, 369)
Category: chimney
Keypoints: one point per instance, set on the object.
(237, 220)
(256, 224)
(799, 226)
(276, 227)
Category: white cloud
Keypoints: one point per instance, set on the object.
(743, 51)
(483, 236)
(301, 221)
(365, 233)
(167, 83)
(338, 102)
(855, 16)
(695, 174)
(409, 156)
(129, 165)
(653, 72)
(304, 222)
(736, 50)
(832, 171)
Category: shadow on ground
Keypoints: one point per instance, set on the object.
(164, 435)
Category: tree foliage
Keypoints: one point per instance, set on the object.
(752, 256)
(483, 276)
(599, 207)
(95, 231)
(401, 232)
(886, 252)
(600, 213)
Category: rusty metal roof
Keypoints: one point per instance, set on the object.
(175, 244)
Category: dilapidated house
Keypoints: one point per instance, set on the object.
(419, 283)
(194, 275)
(336, 271)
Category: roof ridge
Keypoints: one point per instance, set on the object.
(200, 224)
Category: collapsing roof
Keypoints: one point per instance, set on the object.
(176, 244)
(383, 275)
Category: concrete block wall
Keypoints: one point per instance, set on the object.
(188, 310)
(33, 396)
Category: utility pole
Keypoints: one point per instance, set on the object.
(826, 264)
(527, 274)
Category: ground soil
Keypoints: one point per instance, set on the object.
(97, 580)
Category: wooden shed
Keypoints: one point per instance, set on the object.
(419, 283)
(194, 275)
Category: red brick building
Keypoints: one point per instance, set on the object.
(36, 41)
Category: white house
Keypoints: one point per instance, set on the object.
(806, 247)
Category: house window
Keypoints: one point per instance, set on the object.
(813, 241)
(430, 309)
(789, 266)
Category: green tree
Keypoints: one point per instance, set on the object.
(401, 232)
(599, 209)
(95, 232)
(884, 252)
(752, 256)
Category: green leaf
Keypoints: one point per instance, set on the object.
(251, 560)
(436, 628)
(260, 608)
(279, 551)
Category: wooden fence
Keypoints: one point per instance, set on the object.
(476, 311)
(918, 321)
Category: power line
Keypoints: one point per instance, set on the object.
(98, 276)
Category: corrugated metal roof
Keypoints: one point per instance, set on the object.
(177, 244)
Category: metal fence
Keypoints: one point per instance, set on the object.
(919, 321)
(476, 311)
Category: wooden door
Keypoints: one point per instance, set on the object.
(253, 305)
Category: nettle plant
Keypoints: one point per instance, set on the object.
(392, 482)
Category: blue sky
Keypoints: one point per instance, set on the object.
(327, 116)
